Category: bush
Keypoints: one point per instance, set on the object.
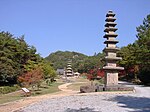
(8, 89)
(144, 76)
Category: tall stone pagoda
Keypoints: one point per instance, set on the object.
(69, 71)
(110, 68)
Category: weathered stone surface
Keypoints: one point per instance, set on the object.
(111, 88)
(111, 79)
(87, 89)
(118, 88)
(99, 88)
(111, 69)
(123, 88)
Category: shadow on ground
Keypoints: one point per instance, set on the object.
(139, 104)
(81, 110)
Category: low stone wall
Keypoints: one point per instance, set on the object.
(118, 88)
(100, 88)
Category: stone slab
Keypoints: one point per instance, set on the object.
(111, 79)
(87, 89)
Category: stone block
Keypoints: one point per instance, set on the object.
(87, 89)
(99, 88)
(111, 79)
(118, 88)
(123, 88)
(111, 88)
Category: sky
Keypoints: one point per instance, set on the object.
(71, 25)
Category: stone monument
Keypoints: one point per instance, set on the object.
(110, 68)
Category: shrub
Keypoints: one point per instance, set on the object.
(8, 89)
(31, 78)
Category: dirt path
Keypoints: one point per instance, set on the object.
(12, 106)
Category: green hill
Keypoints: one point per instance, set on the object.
(80, 62)
(60, 59)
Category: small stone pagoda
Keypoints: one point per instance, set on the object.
(69, 72)
(110, 68)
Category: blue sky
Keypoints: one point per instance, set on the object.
(72, 25)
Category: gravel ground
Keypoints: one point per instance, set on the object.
(133, 102)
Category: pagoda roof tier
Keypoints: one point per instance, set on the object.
(112, 58)
(113, 68)
(111, 41)
(110, 49)
(70, 74)
(110, 13)
(69, 71)
(107, 29)
(69, 68)
(113, 24)
(110, 19)
(110, 35)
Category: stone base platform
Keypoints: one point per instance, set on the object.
(87, 89)
(118, 88)
(100, 88)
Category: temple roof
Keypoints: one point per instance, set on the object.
(69, 68)
(112, 58)
(111, 49)
(110, 29)
(111, 41)
(113, 24)
(110, 19)
(112, 68)
(110, 13)
(110, 35)
(68, 71)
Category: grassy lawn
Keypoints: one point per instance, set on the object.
(44, 89)
(76, 86)
(80, 82)
(10, 97)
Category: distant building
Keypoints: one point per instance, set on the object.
(60, 71)
(77, 74)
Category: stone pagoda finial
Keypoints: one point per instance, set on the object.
(111, 69)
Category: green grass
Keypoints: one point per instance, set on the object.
(45, 89)
(79, 82)
(76, 86)
(82, 82)
(10, 97)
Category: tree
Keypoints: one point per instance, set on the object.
(143, 43)
(136, 56)
(129, 61)
(49, 72)
(15, 57)
(33, 77)
(143, 54)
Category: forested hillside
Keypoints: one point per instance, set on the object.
(80, 62)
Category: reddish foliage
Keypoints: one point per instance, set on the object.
(122, 73)
(31, 77)
(95, 73)
(100, 73)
